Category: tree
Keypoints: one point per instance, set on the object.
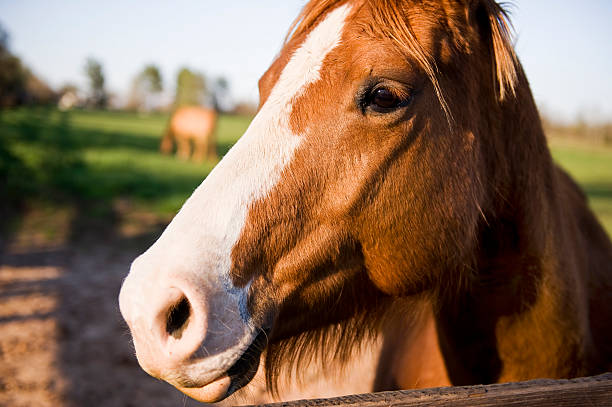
(37, 90)
(152, 78)
(12, 75)
(19, 85)
(147, 85)
(93, 70)
(220, 94)
(191, 88)
(4, 38)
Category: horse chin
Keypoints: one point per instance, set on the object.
(236, 377)
(214, 391)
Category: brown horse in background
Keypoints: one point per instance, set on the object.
(191, 128)
(395, 180)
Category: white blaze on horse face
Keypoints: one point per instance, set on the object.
(194, 252)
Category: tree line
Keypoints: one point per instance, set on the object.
(192, 88)
(20, 86)
(145, 94)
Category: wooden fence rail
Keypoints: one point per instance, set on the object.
(585, 391)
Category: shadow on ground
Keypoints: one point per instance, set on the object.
(93, 357)
(62, 338)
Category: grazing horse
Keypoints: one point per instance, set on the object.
(191, 125)
(395, 180)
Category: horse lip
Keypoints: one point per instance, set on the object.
(245, 367)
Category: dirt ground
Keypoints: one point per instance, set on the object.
(62, 339)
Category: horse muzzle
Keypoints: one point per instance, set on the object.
(190, 331)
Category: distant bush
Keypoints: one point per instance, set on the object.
(244, 109)
(13, 172)
(39, 158)
(594, 133)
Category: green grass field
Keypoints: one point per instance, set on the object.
(98, 157)
(591, 166)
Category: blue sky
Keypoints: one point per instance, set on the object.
(565, 45)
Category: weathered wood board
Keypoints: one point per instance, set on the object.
(586, 391)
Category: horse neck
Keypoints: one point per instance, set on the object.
(526, 312)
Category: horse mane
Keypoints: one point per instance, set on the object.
(505, 60)
(338, 343)
(332, 345)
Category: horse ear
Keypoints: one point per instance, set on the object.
(496, 30)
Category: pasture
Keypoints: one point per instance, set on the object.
(84, 192)
(101, 156)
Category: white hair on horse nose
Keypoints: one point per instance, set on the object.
(218, 208)
(195, 250)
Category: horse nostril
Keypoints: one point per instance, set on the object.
(178, 318)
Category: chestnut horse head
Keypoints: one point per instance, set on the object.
(379, 160)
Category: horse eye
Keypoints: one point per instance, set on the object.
(383, 100)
